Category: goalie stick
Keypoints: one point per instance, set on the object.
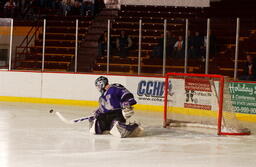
(63, 119)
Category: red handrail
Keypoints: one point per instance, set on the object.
(29, 33)
(27, 40)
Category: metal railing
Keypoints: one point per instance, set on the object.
(141, 32)
(31, 36)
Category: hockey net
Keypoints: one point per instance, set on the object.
(200, 100)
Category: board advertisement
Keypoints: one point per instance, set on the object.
(243, 96)
(147, 90)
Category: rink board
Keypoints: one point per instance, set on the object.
(79, 89)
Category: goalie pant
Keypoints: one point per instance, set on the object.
(114, 123)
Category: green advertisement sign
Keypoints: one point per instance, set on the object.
(243, 96)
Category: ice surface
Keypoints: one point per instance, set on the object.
(31, 137)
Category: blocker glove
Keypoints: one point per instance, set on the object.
(127, 112)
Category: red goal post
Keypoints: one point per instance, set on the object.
(199, 99)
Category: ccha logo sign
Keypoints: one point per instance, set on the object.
(152, 88)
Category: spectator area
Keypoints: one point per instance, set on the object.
(60, 37)
(152, 27)
(223, 28)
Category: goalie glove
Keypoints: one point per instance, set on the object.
(127, 112)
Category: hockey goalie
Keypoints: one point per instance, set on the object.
(115, 108)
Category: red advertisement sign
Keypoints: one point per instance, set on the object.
(198, 93)
(197, 84)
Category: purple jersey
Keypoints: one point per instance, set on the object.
(115, 98)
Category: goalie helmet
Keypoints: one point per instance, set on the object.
(101, 83)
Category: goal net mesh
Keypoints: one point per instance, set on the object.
(201, 101)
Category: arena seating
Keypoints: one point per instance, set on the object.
(60, 39)
(152, 27)
(59, 44)
(223, 27)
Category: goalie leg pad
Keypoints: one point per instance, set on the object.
(122, 130)
(94, 127)
(139, 131)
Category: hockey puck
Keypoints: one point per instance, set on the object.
(51, 111)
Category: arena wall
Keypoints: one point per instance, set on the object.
(79, 89)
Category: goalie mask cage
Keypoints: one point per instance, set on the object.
(200, 100)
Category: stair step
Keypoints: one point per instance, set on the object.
(64, 30)
(92, 37)
(66, 27)
(56, 54)
(53, 50)
(47, 62)
(100, 24)
(55, 43)
(55, 47)
(45, 69)
(109, 12)
(47, 54)
(69, 23)
(63, 34)
(96, 31)
(56, 40)
(61, 17)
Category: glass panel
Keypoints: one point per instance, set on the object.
(114, 58)
(152, 46)
(5, 33)
(222, 46)
(60, 45)
(175, 45)
(124, 46)
(100, 65)
(196, 45)
(247, 50)
(28, 46)
(88, 37)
